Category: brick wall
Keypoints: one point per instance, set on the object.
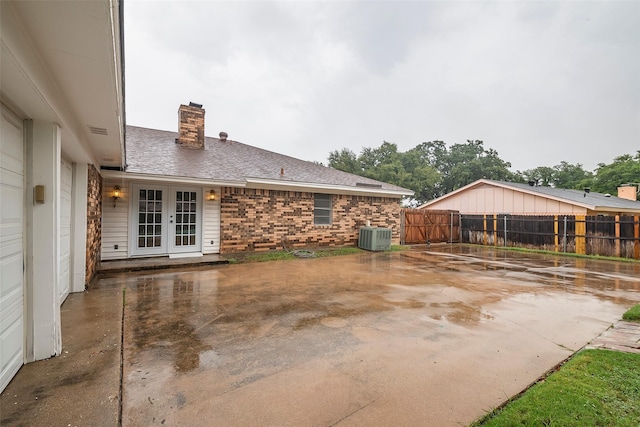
(94, 222)
(191, 126)
(255, 220)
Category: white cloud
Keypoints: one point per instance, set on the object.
(540, 82)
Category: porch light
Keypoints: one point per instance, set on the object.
(212, 195)
(117, 193)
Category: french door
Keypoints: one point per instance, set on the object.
(166, 220)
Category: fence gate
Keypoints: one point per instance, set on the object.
(421, 226)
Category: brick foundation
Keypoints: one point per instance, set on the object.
(94, 223)
(260, 220)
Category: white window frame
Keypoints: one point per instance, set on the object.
(318, 199)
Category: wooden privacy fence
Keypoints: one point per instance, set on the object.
(420, 226)
(617, 236)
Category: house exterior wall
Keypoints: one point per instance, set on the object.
(211, 225)
(94, 222)
(258, 220)
(487, 199)
(115, 222)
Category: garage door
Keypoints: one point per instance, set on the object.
(11, 248)
(65, 230)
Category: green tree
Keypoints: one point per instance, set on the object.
(466, 163)
(624, 169)
(542, 175)
(567, 175)
(430, 169)
(344, 160)
(423, 178)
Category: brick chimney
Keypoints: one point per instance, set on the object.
(191, 126)
(628, 192)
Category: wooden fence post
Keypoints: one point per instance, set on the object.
(617, 231)
(636, 236)
(402, 235)
(555, 232)
(495, 230)
(581, 234)
(484, 229)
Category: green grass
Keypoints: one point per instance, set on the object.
(633, 314)
(317, 253)
(399, 248)
(337, 252)
(594, 388)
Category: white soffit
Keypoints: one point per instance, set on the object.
(64, 66)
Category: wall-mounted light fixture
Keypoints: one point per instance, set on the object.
(38, 194)
(117, 193)
(212, 195)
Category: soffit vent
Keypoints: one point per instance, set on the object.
(98, 131)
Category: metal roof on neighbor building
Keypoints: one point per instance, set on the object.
(155, 152)
(592, 199)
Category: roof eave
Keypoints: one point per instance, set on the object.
(130, 176)
(259, 183)
(509, 187)
(616, 209)
(325, 188)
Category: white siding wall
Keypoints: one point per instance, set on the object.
(211, 224)
(64, 258)
(115, 225)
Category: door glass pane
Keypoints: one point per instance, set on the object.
(185, 233)
(149, 218)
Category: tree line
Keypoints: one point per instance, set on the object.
(431, 169)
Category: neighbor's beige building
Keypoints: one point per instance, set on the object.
(495, 197)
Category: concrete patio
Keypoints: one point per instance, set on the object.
(424, 337)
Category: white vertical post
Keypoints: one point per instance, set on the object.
(79, 227)
(43, 241)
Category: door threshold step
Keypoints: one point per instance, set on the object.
(186, 255)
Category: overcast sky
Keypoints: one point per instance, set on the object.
(540, 82)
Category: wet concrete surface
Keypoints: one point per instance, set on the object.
(81, 386)
(425, 337)
(159, 263)
(410, 338)
(622, 336)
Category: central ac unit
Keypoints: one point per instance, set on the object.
(374, 239)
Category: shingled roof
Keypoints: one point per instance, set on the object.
(591, 200)
(152, 152)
